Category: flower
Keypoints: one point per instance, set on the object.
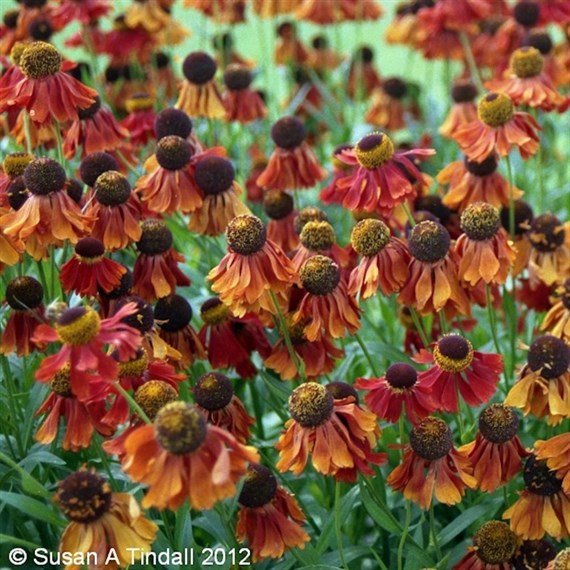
(102, 521)
(543, 386)
(156, 273)
(289, 50)
(24, 296)
(463, 111)
(459, 370)
(242, 104)
(363, 78)
(230, 341)
(556, 452)
(399, 389)
(269, 518)
(561, 561)
(448, 471)
(84, 12)
(433, 283)
(386, 110)
(215, 178)
(526, 83)
(279, 207)
(89, 270)
(45, 91)
(292, 164)
(214, 397)
(181, 457)
(557, 320)
(499, 127)
(497, 452)
(139, 122)
(484, 251)
(542, 508)
(333, 13)
(384, 263)
(383, 178)
(326, 306)
(84, 335)
(254, 272)
(337, 433)
(199, 95)
(533, 554)
(13, 167)
(471, 181)
(494, 545)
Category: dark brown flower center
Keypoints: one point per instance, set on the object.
(539, 479)
(495, 542)
(495, 109)
(369, 237)
(431, 439)
(540, 40)
(89, 249)
(453, 353)
(277, 205)
(91, 111)
(74, 189)
(214, 175)
(463, 91)
(480, 221)
(526, 13)
(534, 554)
(319, 275)
(123, 289)
(43, 176)
(318, 236)
(93, 165)
(433, 204)
(199, 68)
(246, 234)
(395, 87)
(84, 497)
(154, 395)
(180, 428)
(23, 293)
(547, 233)
(40, 29)
(309, 214)
(483, 168)
(523, 217)
(172, 122)
(112, 188)
(15, 163)
(429, 241)
(550, 356)
(143, 317)
(156, 238)
(401, 376)
(341, 390)
(40, 60)
(564, 292)
(311, 404)
(259, 487)
(237, 77)
(288, 133)
(173, 313)
(17, 193)
(173, 152)
(498, 423)
(213, 391)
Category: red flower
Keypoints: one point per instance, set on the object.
(242, 104)
(139, 123)
(85, 12)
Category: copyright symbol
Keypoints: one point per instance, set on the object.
(17, 556)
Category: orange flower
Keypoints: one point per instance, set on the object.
(363, 78)
(386, 110)
(484, 251)
(543, 387)
(181, 457)
(326, 306)
(280, 209)
(269, 518)
(289, 50)
(337, 433)
(556, 452)
(463, 111)
(494, 545)
(499, 128)
(199, 95)
(534, 554)
(434, 283)
(542, 508)
(448, 471)
(497, 452)
(252, 271)
(557, 320)
(292, 164)
(241, 102)
(320, 12)
(384, 263)
(471, 181)
(215, 398)
(102, 521)
(269, 8)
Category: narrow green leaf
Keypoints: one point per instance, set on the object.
(346, 505)
(32, 508)
(380, 513)
(459, 524)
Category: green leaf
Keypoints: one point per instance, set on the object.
(380, 513)
(32, 508)
(346, 506)
(461, 523)
(319, 567)
(6, 539)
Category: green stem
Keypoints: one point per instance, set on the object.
(132, 403)
(409, 215)
(338, 523)
(434, 533)
(27, 132)
(419, 327)
(404, 535)
(57, 131)
(257, 410)
(511, 198)
(474, 70)
(443, 323)
(492, 320)
(371, 362)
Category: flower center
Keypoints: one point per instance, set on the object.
(453, 353)
(550, 356)
(172, 122)
(526, 62)
(288, 133)
(538, 478)
(277, 205)
(433, 204)
(40, 60)
(564, 292)
(84, 496)
(89, 250)
(139, 102)
(112, 188)
(135, 367)
(495, 109)
(341, 390)
(317, 236)
(480, 221)
(483, 168)
(199, 68)
(431, 439)
(156, 238)
(401, 376)
(246, 234)
(23, 293)
(173, 153)
(15, 163)
(237, 77)
(60, 384)
(562, 560)
(369, 237)
(180, 428)
(526, 13)
(213, 391)
(173, 313)
(546, 233)
(319, 275)
(297, 331)
(121, 290)
(17, 193)
(534, 554)
(395, 87)
(429, 241)
(214, 175)
(523, 217)
(91, 111)
(214, 312)
(540, 40)
(93, 165)
(78, 326)
(154, 395)
(463, 91)
(311, 404)
(309, 214)
(259, 487)
(43, 176)
(40, 29)
(374, 150)
(498, 423)
(495, 542)
(143, 319)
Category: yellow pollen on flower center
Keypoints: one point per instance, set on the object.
(216, 315)
(80, 330)
(134, 367)
(374, 150)
(451, 364)
(495, 542)
(495, 109)
(40, 60)
(140, 102)
(527, 62)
